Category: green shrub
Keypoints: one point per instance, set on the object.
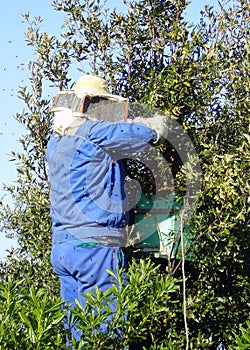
(29, 319)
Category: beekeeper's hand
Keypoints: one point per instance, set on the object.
(158, 123)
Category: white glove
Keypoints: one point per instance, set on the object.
(158, 123)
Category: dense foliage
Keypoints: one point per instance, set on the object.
(200, 76)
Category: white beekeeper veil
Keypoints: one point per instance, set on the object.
(70, 105)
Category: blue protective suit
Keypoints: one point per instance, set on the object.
(86, 176)
(88, 202)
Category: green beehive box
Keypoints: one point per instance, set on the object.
(157, 222)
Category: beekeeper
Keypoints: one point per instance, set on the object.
(86, 176)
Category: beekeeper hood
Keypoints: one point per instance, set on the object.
(90, 85)
(69, 106)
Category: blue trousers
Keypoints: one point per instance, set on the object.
(80, 269)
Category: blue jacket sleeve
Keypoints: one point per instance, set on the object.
(123, 137)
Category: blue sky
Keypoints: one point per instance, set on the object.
(13, 59)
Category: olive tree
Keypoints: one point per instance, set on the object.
(200, 77)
